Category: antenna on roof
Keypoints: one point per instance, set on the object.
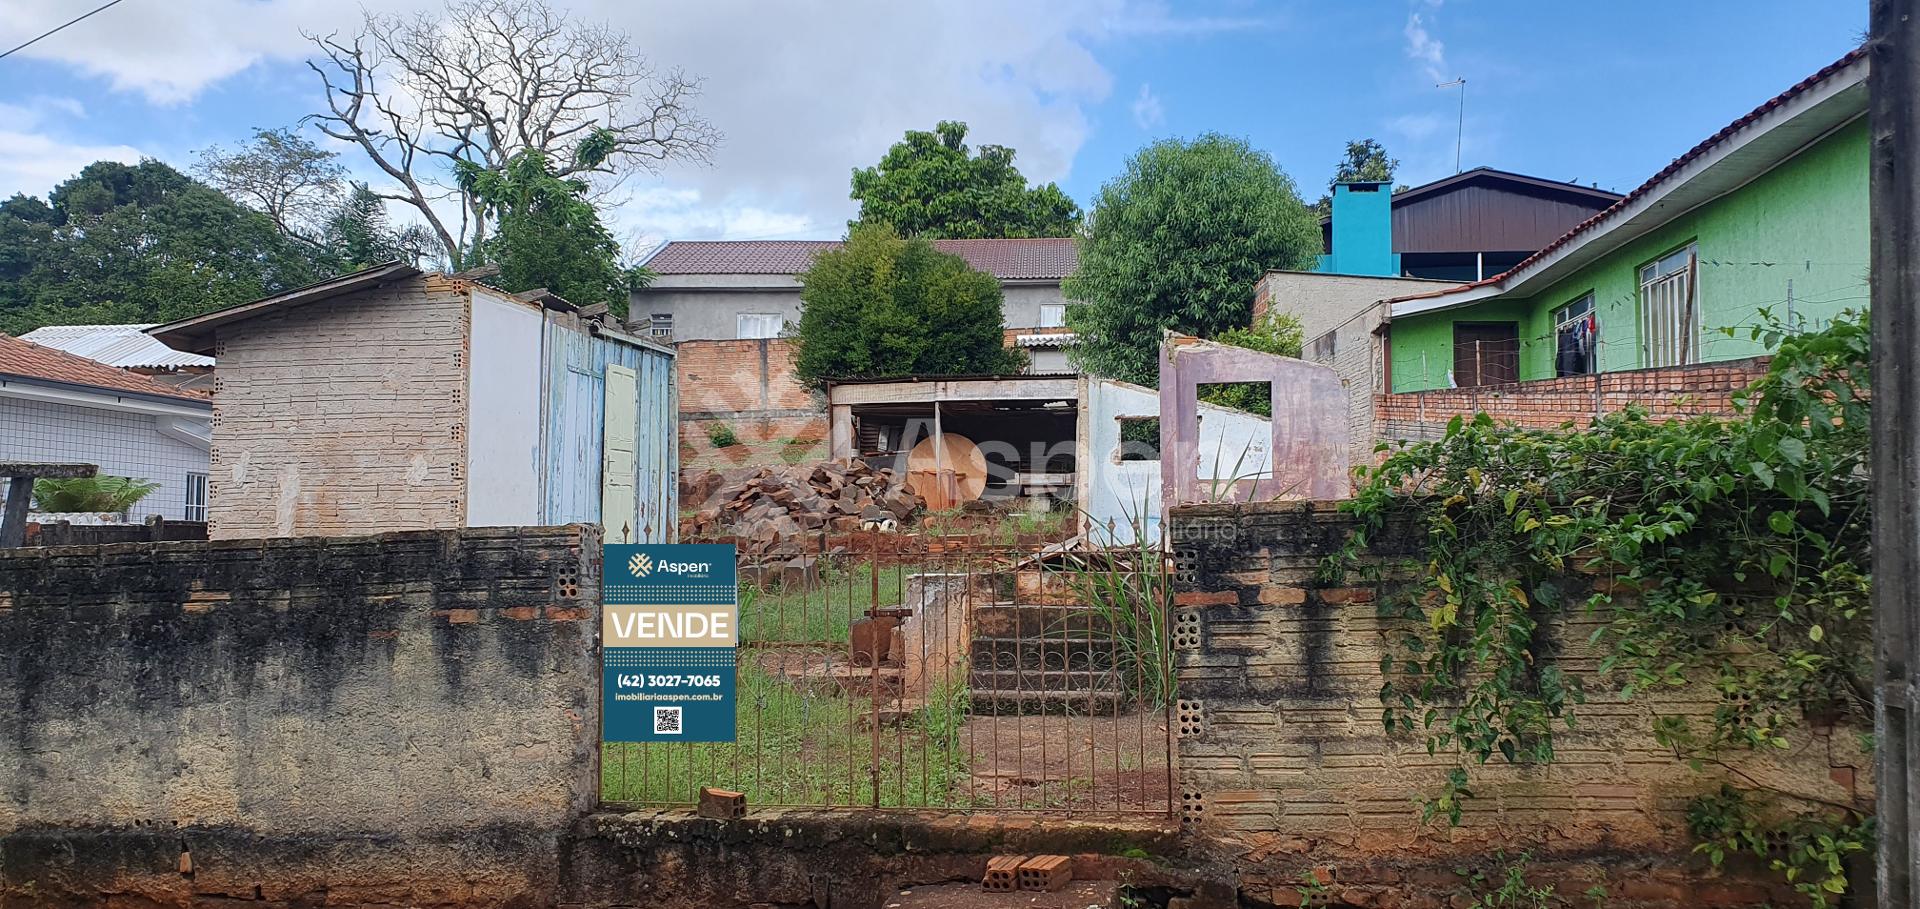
(1460, 129)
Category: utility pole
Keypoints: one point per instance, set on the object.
(1893, 85)
(1460, 128)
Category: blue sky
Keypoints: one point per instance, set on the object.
(1602, 93)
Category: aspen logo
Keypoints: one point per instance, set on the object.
(641, 565)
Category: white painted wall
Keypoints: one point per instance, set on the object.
(503, 429)
(1118, 496)
(122, 444)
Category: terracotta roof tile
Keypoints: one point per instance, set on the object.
(1009, 260)
(28, 360)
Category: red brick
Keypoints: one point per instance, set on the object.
(567, 613)
(520, 613)
(1282, 595)
(1206, 598)
(1338, 595)
(458, 616)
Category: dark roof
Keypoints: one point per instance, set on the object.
(195, 334)
(1593, 197)
(27, 360)
(1705, 145)
(1009, 260)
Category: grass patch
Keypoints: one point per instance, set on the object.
(819, 612)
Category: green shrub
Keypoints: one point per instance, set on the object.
(90, 494)
(722, 436)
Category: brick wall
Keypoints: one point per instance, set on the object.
(343, 417)
(748, 387)
(1670, 393)
(1355, 353)
(1285, 770)
(407, 719)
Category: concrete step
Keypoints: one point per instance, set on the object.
(1031, 702)
(1080, 652)
(1077, 895)
(989, 681)
(1030, 620)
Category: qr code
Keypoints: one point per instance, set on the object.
(666, 720)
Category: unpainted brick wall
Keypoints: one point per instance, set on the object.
(1285, 767)
(343, 417)
(415, 713)
(749, 387)
(1669, 393)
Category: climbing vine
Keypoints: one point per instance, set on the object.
(1719, 554)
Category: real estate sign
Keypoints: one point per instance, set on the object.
(667, 638)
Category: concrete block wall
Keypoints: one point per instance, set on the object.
(409, 718)
(1671, 393)
(1285, 768)
(348, 416)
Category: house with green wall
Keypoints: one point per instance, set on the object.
(1763, 223)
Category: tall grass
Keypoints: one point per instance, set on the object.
(1130, 586)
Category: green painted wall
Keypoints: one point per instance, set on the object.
(1803, 222)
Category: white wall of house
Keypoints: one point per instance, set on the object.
(1118, 496)
(504, 366)
(709, 307)
(122, 444)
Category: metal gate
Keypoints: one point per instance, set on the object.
(891, 671)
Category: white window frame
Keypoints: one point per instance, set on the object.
(1670, 308)
(1580, 308)
(1059, 313)
(750, 325)
(197, 488)
(660, 325)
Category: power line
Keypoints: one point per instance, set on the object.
(31, 41)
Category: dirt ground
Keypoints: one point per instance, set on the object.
(1094, 764)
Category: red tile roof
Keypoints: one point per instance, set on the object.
(1706, 145)
(1009, 260)
(27, 360)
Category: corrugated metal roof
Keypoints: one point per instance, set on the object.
(1040, 258)
(125, 346)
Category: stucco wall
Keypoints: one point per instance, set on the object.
(122, 444)
(1323, 302)
(1803, 224)
(348, 416)
(1285, 768)
(406, 719)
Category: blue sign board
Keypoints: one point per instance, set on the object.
(669, 628)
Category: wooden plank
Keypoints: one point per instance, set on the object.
(1893, 84)
(618, 500)
(926, 391)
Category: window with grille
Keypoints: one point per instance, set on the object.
(1053, 315)
(1669, 311)
(196, 497)
(757, 325)
(660, 325)
(1576, 339)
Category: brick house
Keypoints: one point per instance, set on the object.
(1652, 300)
(56, 407)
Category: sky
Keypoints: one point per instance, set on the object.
(1602, 93)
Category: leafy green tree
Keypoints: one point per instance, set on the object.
(281, 174)
(885, 306)
(928, 185)
(138, 243)
(1177, 243)
(547, 233)
(358, 234)
(1365, 159)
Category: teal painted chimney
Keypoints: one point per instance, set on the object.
(1362, 230)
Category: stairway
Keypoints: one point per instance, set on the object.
(1077, 895)
(1036, 658)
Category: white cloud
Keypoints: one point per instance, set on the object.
(1147, 112)
(1423, 48)
(34, 160)
(1418, 127)
(804, 91)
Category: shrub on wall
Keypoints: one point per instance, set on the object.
(1725, 555)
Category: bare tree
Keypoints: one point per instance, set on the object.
(281, 174)
(487, 79)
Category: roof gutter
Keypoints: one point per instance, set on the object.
(100, 398)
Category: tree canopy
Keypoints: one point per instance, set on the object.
(885, 306)
(548, 235)
(929, 185)
(138, 243)
(1366, 159)
(1177, 242)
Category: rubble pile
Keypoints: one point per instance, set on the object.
(776, 510)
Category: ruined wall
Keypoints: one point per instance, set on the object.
(747, 387)
(1285, 769)
(1672, 393)
(408, 718)
(347, 416)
